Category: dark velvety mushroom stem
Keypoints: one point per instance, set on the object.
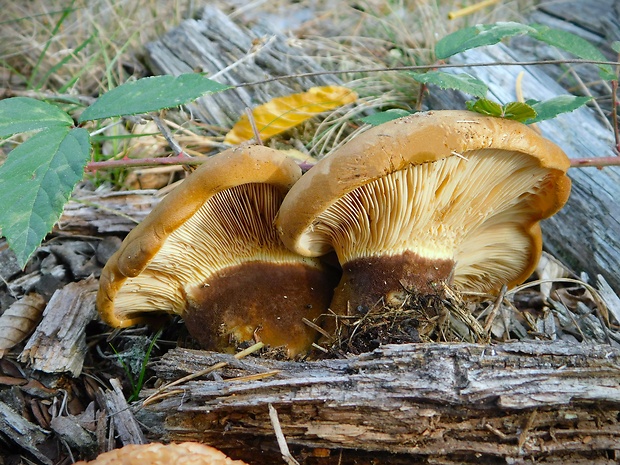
(260, 301)
(376, 281)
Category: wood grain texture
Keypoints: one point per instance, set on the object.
(58, 344)
(530, 400)
(233, 54)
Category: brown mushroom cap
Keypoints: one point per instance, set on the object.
(210, 253)
(186, 453)
(449, 196)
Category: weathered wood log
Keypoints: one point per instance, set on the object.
(91, 213)
(233, 54)
(457, 403)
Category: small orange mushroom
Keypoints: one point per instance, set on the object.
(186, 453)
(210, 253)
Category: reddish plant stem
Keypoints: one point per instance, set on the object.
(180, 159)
(598, 162)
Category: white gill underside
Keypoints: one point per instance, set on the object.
(233, 227)
(465, 209)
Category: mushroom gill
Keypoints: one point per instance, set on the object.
(433, 199)
(210, 253)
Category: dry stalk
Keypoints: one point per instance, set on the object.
(161, 391)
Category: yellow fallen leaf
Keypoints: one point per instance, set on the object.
(283, 113)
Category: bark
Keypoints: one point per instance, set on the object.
(58, 344)
(457, 402)
(89, 213)
(233, 54)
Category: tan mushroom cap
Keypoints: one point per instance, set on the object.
(186, 453)
(205, 240)
(454, 187)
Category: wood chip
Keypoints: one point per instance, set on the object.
(23, 433)
(127, 427)
(59, 344)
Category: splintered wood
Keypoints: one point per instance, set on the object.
(422, 400)
(59, 343)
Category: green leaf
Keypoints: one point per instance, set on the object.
(21, 114)
(556, 106)
(36, 181)
(385, 116)
(519, 111)
(478, 36)
(151, 94)
(486, 107)
(615, 46)
(462, 82)
(573, 44)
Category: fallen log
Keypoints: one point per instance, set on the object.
(455, 403)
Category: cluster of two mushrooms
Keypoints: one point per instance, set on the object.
(445, 197)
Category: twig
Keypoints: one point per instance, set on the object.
(614, 113)
(250, 350)
(423, 67)
(275, 422)
(493, 313)
(471, 9)
(526, 430)
(163, 128)
(599, 162)
(127, 162)
(587, 92)
(252, 120)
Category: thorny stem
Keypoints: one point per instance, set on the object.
(93, 166)
(423, 67)
(180, 159)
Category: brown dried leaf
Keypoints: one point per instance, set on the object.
(284, 113)
(19, 320)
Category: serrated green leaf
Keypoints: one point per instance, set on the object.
(518, 111)
(485, 107)
(478, 36)
(385, 116)
(36, 181)
(462, 82)
(556, 106)
(573, 44)
(615, 46)
(22, 114)
(151, 94)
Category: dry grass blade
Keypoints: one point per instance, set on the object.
(284, 450)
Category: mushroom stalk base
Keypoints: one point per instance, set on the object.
(369, 282)
(259, 301)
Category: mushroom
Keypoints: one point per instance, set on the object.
(184, 453)
(210, 253)
(433, 199)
